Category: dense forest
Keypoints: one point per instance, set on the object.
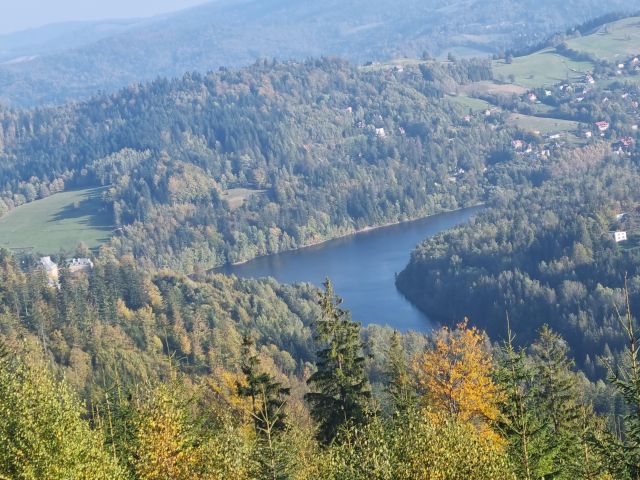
(126, 374)
(147, 365)
(543, 250)
(70, 62)
(317, 149)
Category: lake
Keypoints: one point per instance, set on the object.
(362, 268)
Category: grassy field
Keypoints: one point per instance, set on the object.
(543, 125)
(236, 197)
(492, 88)
(58, 222)
(613, 41)
(543, 68)
(470, 103)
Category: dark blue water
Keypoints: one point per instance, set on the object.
(362, 268)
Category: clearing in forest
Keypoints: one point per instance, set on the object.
(540, 69)
(616, 41)
(58, 222)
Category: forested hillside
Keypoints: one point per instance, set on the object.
(544, 251)
(154, 376)
(231, 165)
(236, 33)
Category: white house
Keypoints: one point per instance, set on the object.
(380, 132)
(79, 265)
(51, 269)
(619, 236)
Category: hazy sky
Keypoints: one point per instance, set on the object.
(22, 14)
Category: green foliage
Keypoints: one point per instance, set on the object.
(400, 386)
(120, 325)
(268, 413)
(340, 390)
(409, 447)
(42, 434)
(267, 396)
(625, 376)
(520, 421)
(559, 397)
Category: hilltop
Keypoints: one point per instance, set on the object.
(76, 61)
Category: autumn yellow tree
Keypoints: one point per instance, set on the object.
(162, 448)
(455, 376)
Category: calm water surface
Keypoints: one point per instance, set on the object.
(362, 268)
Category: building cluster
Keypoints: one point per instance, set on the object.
(75, 266)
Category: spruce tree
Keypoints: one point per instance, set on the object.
(521, 421)
(623, 451)
(268, 399)
(559, 399)
(399, 388)
(341, 391)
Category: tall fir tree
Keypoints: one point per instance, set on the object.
(341, 392)
(559, 399)
(623, 449)
(268, 400)
(520, 420)
(399, 388)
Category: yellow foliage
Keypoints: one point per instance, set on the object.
(456, 377)
(162, 448)
(224, 386)
(123, 310)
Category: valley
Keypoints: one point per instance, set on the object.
(342, 241)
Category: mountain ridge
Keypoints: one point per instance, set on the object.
(231, 34)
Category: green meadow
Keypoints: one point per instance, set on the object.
(58, 222)
(616, 41)
(544, 125)
(470, 103)
(543, 68)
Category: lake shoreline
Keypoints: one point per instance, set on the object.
(362, 268)
(349, 234)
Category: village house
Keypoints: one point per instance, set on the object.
(51, 269)
(517, 144)
(380, 133)
(627, 141)
(623, 145)
(75, 265)
(619, 236)
(80, 265)
(532, 97)
(602, 126)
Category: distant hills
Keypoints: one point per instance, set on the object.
(57, 63)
